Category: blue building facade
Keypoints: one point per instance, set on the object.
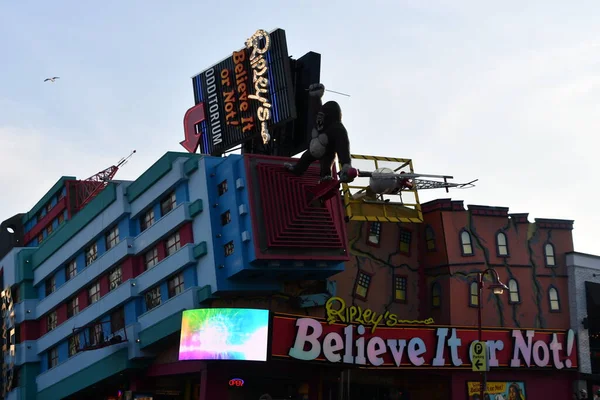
(94, 293)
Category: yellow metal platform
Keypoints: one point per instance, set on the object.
(362, 204)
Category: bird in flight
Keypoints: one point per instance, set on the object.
(51, 79)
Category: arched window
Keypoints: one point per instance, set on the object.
(502, 244)
(430, 238)
(513, 289)
(436, 295)
(554, 300)
(549, 254)
(473, 294)
(466, 244)
(374, 234)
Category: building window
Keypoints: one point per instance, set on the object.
(436, 295)
(405, 239)
(549, 253)
(229, 248)
(173, 243)
(40, 238)
(73, 345)
(361, 289)
(225, 218)
(152, 298)
(473, 294)
(147, 220)
(168, 203)
(175, 285)
(50, 285)
(430, 238)
(374, 234)
(61, 195)
(51, 321)
(466, 244)
(400, 289)
(222, 188)
(48, 207)
(501, 244)
(115, 278)
(112, 238)
(52, 357)
(71, 269)
(513, 289)
(61, 219)
(48, 230)
(554, 300)
(94, 293)
(96, 334)
(91, 253)
(73, 307)
(117, 320)
(151, 258)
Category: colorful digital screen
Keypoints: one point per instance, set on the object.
(497, 391)
(224, 334)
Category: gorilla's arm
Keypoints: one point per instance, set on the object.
(342, 144)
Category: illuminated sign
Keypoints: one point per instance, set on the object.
(236, 382)
(309, 339)
(224, 334)
(498, 390)
(338, 312)
(242, 97)
(8, 341)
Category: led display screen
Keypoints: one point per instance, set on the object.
(224, 334)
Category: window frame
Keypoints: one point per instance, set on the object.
(169, 201)
(150, 298)
(408, 232)
(147, 219)
(463, 244)
(173, 289)
(117, 320)
(552, 288)
(510, 291)
(51, 321)
(111, 238)
(115, 275)
(73, 307)
(68, 269)
(176, 244)
(97, 292)
(355, 294)
(154, 260)
(505, 245)
(429, 239)
(378, 234)
(91, 256)
(474, 297)
(53, 357)
(396, 279)
(546, 256)
(74, 344)
(50, 285)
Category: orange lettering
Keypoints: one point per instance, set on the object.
(239, 56)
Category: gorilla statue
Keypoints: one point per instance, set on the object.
(329, 137)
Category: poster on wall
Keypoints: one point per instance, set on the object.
(224, 334)
(497, 391)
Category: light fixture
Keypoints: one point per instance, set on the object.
(10, 229)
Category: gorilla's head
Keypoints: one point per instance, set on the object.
(329, 114)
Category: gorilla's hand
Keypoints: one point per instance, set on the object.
(316, 90)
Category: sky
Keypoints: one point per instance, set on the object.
(507, 93)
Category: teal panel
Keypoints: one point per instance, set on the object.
(86, 377)
(160, 330)
(24, 270)
(196, 207)
(40, 204)
(190, 165)
(28, 292)
(204, 294)
(104, 199)
(200, 250)
(154, 173)
(27, 382)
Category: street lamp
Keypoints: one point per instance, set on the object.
(497, 288)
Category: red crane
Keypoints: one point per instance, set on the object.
(87, 189)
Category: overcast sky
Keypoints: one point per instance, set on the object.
(508, 94)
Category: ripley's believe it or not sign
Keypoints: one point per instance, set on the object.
(241, 97)
(371, 341)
